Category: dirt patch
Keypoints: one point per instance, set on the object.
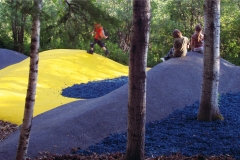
(6, 128)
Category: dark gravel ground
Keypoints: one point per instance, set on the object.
(180, 132)
(94, 89)
(6, 128)
(120, 156)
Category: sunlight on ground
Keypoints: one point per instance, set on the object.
(57, 70)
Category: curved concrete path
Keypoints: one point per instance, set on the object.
(170, 85)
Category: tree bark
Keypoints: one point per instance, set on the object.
(209, 110)
(18, 21)
(21, 34)
(14, 24)
(32, 82)
(137, 80)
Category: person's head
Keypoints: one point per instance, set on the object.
(97, 25)
(198, 28)
(176, 34)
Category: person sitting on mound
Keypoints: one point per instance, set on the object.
(197, 40)
(180, 46)
(98, 36)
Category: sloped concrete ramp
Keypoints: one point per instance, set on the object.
(9, 57)
(170, 85)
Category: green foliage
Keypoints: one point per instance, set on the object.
(117, 54)
(230, 49)
(67, 24)
(73, 23)
(187, 14)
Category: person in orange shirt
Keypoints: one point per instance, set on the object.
(98, 36)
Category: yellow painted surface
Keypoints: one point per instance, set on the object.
(57, 70)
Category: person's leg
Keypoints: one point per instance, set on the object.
(92, 46)
(102, 45)
(168, 56)
(202, 49)
(199, 50)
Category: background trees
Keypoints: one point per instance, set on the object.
(229, 39)
(14, 21)
(66, 24)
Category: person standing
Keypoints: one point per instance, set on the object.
(197, 40)
(180, 46)
(98, 36)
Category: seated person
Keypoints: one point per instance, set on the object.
(180, 46)
(197, 40)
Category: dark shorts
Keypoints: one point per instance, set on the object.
(99, 42)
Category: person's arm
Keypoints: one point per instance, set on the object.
(192, 43)
(202, 37)
(103, 34)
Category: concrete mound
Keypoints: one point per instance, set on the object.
(171, 85)
(57, 69)
(9, 57)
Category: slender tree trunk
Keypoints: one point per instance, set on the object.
(18, 21)
(209, 110)
(32, 82)
(21, 34)
(14, 23)
(137, 80)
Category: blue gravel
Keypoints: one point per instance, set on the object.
(181, 132)
(94, 89)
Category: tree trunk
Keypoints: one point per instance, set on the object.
(137, 80)
(21, 34)
(209, 110)
(18, 21)
(14, 24)
(32, 82)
